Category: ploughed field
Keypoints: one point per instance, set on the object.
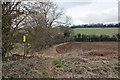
(90, 49)
(68, 60)
(89, 59)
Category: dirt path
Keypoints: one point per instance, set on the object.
(51, 52)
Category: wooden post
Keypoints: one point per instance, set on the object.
(25, 48)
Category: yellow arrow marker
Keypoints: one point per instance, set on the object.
(24, 38)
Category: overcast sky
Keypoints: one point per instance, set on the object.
(90, 11)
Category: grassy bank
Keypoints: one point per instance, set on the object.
(96, 31)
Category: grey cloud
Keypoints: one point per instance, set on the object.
(97, 18)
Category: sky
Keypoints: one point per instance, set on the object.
(90, 11)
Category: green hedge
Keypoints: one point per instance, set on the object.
(90, 38)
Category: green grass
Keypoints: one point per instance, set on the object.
(18, 49)
(45, 75)
(96, 31)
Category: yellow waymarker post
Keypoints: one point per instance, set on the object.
(24, 38)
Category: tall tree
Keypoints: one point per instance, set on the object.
(10, 11)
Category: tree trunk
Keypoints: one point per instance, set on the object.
(3, 53)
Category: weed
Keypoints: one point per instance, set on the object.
(59, 65)
(68, 64)
(84, 66)
(76, 63)
(77, 66)
(118, 63)
(14, 59)
(45, 58)
(7, 60)
(45, 75)
(3, 77)
(22, 72)
(38, 59)
(58, 62)
(12, 64)
(54, 69)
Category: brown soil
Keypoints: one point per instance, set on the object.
(90, 48)
(94, 59)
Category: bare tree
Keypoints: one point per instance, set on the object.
(43, 15)
(10, 12)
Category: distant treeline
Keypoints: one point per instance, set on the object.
(97, 26)
(91, 38)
